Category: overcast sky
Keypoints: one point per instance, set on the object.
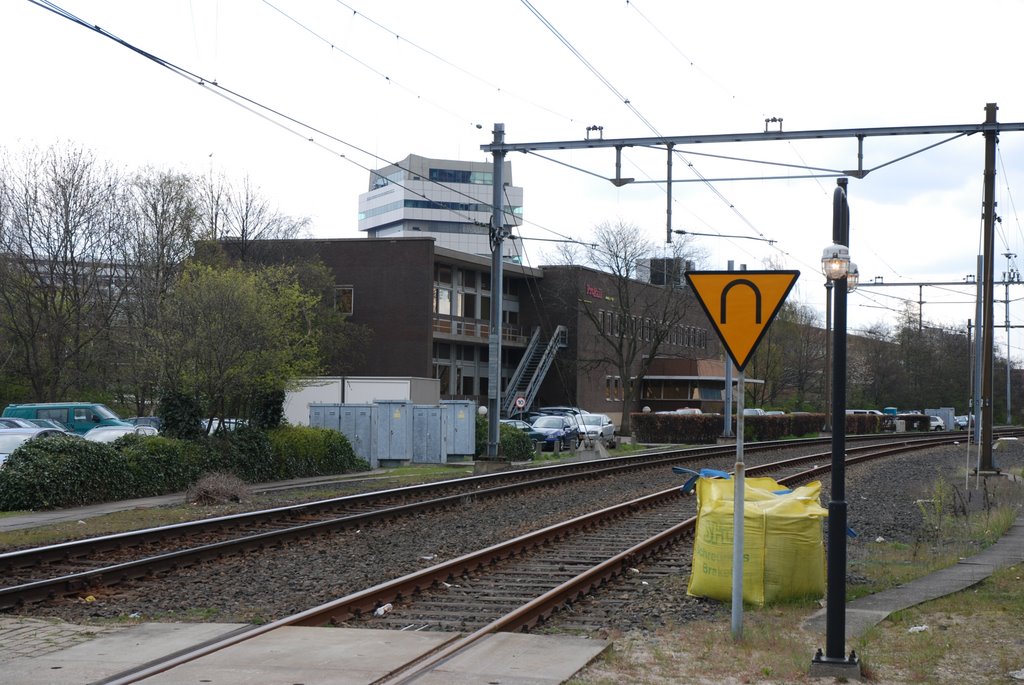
(379, 80)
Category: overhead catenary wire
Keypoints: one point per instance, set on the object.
(626, 101)
(214, 86)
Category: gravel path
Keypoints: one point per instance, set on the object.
(885, 500)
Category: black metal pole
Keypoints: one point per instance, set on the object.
(828, 356)
(835, 617)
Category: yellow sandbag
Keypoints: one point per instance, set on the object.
(783, 551)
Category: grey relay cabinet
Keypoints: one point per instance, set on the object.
(395, 431)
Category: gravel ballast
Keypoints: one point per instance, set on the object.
(887, 499)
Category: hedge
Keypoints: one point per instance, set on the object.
(63, 472)
(654, 428)
(687, 429)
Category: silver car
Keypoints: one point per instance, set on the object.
(598, 427)
(13, 438)
(112, 433)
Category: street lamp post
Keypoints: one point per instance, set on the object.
(828, 355)
(836, 265)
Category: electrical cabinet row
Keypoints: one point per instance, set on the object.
(390, 432)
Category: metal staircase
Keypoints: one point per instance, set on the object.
(528, 376)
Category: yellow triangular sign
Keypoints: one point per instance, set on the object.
(741, 305)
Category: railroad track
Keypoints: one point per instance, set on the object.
(523, 582)
(73, 567)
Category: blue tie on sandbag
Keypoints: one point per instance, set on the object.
(691, 483)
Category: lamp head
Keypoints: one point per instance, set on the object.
(835, 262)
(852, 278)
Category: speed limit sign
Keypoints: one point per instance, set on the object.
(520, 402)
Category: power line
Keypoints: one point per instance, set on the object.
(623, 99)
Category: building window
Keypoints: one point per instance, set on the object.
(343, 299)
(443, 374)
(467, 305)
(443, 274)
(443, 301)
(612, 389)
(442, 352)
(462, 176)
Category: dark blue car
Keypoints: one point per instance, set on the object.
(560, 431)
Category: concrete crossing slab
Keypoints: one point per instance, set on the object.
(311, 656)
(112, 653)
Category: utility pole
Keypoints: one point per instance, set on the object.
(979, 311)
(497, 237)
(988, 216)
(1010, 275)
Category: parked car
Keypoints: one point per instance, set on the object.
(77, 416)
(112, 433)
(683, 410)
(753, 411)
(534, 435)
(936, 423)
(12, 422)
(558, 431)
(560, 411)
(154, 421)
(13, 438)
(48, 423)
(599, 427)
(962, 422)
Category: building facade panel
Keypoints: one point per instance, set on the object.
(449, 200)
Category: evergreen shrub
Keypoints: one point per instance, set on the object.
(62, 472)
(302, 451)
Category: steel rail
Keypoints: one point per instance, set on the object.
(89, 546)
(531, 612)
(16, 595)
(64, 551)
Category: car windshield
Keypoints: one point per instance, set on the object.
(103, 412)
(592, 419)
(548, 422)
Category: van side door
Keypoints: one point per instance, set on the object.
(84, 419)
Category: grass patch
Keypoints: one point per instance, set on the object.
(772, 649)
(149, 517)
(973, 632)
(972, 636)
(955, 527)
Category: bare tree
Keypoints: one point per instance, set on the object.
(249, 220)
(163, 222)
(644, 307)
(211, 197)
(790, 359)
(61, 265)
